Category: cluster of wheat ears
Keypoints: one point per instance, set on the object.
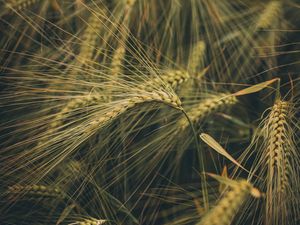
(149, 112)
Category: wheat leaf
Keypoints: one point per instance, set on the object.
(255, 88)
(217, 147)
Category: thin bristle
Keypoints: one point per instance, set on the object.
(73, 105)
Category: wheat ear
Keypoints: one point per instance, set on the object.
(281, 155)
(207, 107)
(172, 77)
(117, 62)
(229, 205)
(196, 58)
(89, 39)
(90, 221)
(96, 122)
(41, 191)
(20, 4)
(127, 104)
(276, 163)
(271, 12)
(73, 105)
(70, 171)
(116, 67)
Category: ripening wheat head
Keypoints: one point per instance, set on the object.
(229, 204)
(276, 163)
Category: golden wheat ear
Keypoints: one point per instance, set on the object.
(74, 106)
(35, 191)
(197, 57)
(228, 206)
(174, 78)
(20, 4)
(275, 167)
(282, 162)
(89, 221)
(90, 37)
(207, 107)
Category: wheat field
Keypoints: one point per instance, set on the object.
(149, 112)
